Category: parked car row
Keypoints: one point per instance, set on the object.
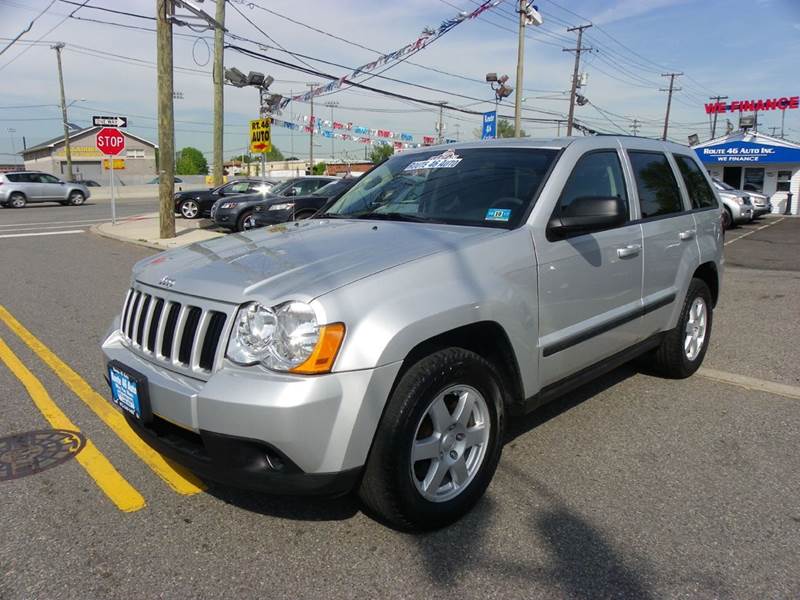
(740, 206)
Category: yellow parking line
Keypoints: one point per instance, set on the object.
(174, 475)
(108, 479)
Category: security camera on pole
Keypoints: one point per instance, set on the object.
(528, 15)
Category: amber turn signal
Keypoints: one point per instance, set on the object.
(321, 359)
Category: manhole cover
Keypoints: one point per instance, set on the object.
(28, 453)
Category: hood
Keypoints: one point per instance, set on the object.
(300, 260)
(734, 193)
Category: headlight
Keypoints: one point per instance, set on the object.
(227, 205)
(284, 206)
(286, 337)
(739, 200)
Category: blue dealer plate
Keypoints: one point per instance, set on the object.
(129, 391)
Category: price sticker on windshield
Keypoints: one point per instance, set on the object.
(446, 160)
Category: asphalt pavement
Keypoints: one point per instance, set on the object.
(52, 219)
(633, 486)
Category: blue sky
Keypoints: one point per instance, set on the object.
(742, 49)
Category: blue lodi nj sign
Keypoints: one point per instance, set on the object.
(747, 152)
(489, 131)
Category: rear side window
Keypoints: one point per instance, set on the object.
(15, 177)
(655, 181)
(596, 175)
(699, 191)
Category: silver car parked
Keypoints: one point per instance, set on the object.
(383, 344)
(737, 205)
(19, 188)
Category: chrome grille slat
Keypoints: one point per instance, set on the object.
(205, 326)
(199, 337)
(176, 339)
(162, 325)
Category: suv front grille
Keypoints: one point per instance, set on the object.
(177, 332)
(746, 200)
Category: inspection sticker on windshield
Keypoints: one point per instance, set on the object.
(446, 160)
(498, 214)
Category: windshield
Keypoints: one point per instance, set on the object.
(279, 187)
(486, 187)
(331, 189)
(722, 185)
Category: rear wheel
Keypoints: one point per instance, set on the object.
(17, 200)
(438, 443)
(683, 348)
(189, 209)
(77, 198)
(246, 221)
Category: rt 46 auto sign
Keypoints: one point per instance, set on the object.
(260, 139)
(110, 141)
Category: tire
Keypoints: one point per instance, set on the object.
(189, 209)
(393, 482)
(671, 358)
(76, 198)
(245, 221)
(727, 219)
(17, 200)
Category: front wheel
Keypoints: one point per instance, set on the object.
(246, 221)
(727, 219)
(438, 444)
(17, 200)
(683, 348)
(77, 198)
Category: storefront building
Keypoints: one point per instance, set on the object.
(136, 164)
(755, 162)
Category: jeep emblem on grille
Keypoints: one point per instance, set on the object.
(166, 282)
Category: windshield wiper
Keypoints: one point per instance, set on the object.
(330, 215)
(394, 216)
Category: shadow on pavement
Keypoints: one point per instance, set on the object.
(299, 508)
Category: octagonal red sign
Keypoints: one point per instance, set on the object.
(110, 141)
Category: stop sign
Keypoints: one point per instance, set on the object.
(110, 141)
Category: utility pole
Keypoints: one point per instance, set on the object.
(772, 130)
(635, 126)
(67, 149)
(671, 89)
(440, 124)
(219, 99)
(312, 124)
(577, 51)
(520, 62)
(783, 119)
(166, 120)
(717, 99)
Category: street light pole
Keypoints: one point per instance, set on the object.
(67, 149)
(332, 104)
(311, 133)
(520, 60)
(11, 132)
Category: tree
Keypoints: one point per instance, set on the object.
(505, 129)
(274, 154)
(380, 153)
(191, 162)
(319, 169)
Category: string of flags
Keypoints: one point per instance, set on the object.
(425, 38)
(355, 133)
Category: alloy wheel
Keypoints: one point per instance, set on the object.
(695, 329)
(190, 209)
(450, 443)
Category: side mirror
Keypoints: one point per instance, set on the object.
(589, 213)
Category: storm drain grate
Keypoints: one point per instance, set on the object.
(28, 453)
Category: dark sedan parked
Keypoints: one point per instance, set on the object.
(280, 210)
(196, 204)
(236, 213)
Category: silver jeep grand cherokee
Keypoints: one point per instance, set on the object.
(383, 345)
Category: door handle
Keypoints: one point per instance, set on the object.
(688, 234)
(629, 250)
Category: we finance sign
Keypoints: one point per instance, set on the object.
(782, 103)
(747, 152)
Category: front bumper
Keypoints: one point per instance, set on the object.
(226, 217)
(742, 213)
(253, 428)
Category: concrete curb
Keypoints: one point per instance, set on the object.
(95, 229)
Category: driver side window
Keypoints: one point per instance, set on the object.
(598, 175)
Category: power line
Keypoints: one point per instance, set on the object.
(28, 28)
